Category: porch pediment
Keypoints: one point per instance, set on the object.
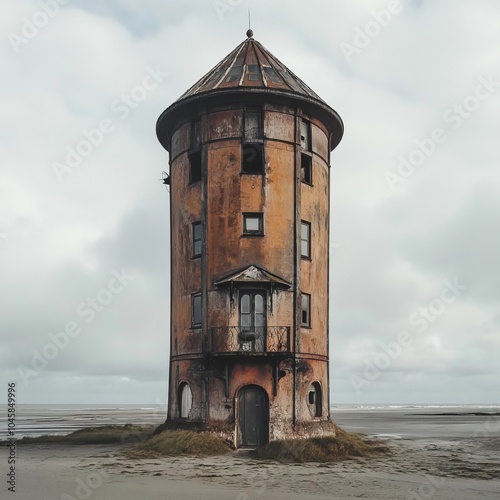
(254, 274)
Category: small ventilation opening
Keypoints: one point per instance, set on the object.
(195, 167)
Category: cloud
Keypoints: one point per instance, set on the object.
(65, 237)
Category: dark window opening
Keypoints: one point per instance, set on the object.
(306, 168)
(272, 75)
(315, 400)
(195, 167)
(234, 74)
(196, 309)
(305, 240)
(253, 225)
(305, 319)
(252, 150)
(253, 159)
(305, 136)
(312, 397)
(197, 235)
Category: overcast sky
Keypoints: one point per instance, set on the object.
(84, 243)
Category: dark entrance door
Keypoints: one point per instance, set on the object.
(253, 408)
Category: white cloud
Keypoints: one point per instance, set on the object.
(65, 238)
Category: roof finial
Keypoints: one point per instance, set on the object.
(249, 32)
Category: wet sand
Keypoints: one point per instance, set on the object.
(462, 470)
(443, 456)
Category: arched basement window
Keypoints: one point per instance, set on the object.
(185, 400)
(315, 400)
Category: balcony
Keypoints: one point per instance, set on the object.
(260, 341)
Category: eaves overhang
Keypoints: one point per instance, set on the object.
(185, 109)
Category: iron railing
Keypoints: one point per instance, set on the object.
(235, 339)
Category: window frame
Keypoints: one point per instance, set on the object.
(306, 166)
(257, 215)
(306, 144)
(195, 240)
(305, 324)
(306, 152)
(304, 223)
(253, 141)
(247, 138)
(194, 297)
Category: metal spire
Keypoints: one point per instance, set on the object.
(249, 32)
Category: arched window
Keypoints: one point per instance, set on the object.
(315, 400)
(185, 399)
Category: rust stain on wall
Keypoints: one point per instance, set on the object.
(248, 360)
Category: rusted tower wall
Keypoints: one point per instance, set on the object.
(218, 202)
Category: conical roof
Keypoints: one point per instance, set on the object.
(250, 73)
(250, 65)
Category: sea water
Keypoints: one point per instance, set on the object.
(391, 421)
(420, 421)
(36, 420)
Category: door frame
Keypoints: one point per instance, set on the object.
(238, 431)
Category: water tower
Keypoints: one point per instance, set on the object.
(249, 176)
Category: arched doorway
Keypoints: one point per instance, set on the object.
(185, 400)
(253, 416)
(315, 400)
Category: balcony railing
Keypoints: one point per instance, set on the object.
(234, 339)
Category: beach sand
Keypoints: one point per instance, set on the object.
(465, 469)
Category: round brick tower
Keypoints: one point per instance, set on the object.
(249, 179)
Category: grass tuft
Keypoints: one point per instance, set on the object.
(106, 434)
(344, 445)
(180, 442)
